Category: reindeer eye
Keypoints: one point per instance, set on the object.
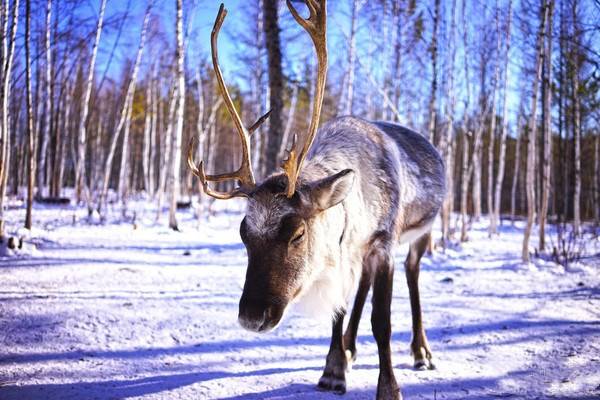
(298, 236)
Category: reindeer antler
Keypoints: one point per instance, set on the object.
(244, 174)
(316, 26)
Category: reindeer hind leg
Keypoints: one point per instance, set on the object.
(419, 346)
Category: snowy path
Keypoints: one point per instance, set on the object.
(113, 313)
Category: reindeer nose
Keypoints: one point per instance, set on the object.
(255, 318)
(258, 316)
(252, 321)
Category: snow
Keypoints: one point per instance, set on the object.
(135, 310)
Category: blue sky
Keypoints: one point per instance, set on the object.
(295, 41)
(203, 13)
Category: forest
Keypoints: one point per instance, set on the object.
(106, 106)
(508, 92)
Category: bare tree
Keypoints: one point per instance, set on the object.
(30, 133)
(433, 49)
(530, 185)
(204, 127)
(485, 105)
(546, 127)
(492, 133)
(516, 165)
(447, 145)
(123, 184)
(502, 145)
(574, 60)
(174, 168)
(348, 100)
(272, 40)
(167, 143)
(80, 179)
(596, 180)
(289, 121)
(465, 176)
(48, 107)
(124, 170)
(6, 67)
(148, 120)
(123, 122)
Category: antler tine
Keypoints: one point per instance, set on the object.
(305, 23)
(198, 170)
(259, 122)
(316, 26)
(244, 174)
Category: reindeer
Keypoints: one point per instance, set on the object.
(325, 227)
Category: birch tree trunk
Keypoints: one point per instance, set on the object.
(257, 139)
(465, 176)
(289, 121)
(124, 170)
(575, 65)
(464, 183)
(349, 98)
(123, 185)
(448, 139)
(502, 145)
(530, 177)
(178, 133)
(433, 49)
(124, 121)
(80, 179)
(563, 121)
(596, 180)
(66, 131)
(492, 137)
(6, 66)
(577, 159)
(546, 128)
(30, 131)
(147, 130)
(61, 137)
(397, 63)
(153, 132)
(203, 128)
(516, 166)
(166, 144)
(477, 157)
(476, 164)
(48, 84)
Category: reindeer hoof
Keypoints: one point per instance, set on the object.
(423, 359)
(424, 365)
(332, 384)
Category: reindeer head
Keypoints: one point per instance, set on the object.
(289, 242)
(285, 230)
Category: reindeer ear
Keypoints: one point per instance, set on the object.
(328, 192)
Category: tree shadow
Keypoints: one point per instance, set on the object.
(155, 352)
(126, 388)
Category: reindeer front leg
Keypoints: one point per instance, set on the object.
(334, 378)
(359, 302)
(381, 260)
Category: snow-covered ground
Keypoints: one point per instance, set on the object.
(121, 311)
